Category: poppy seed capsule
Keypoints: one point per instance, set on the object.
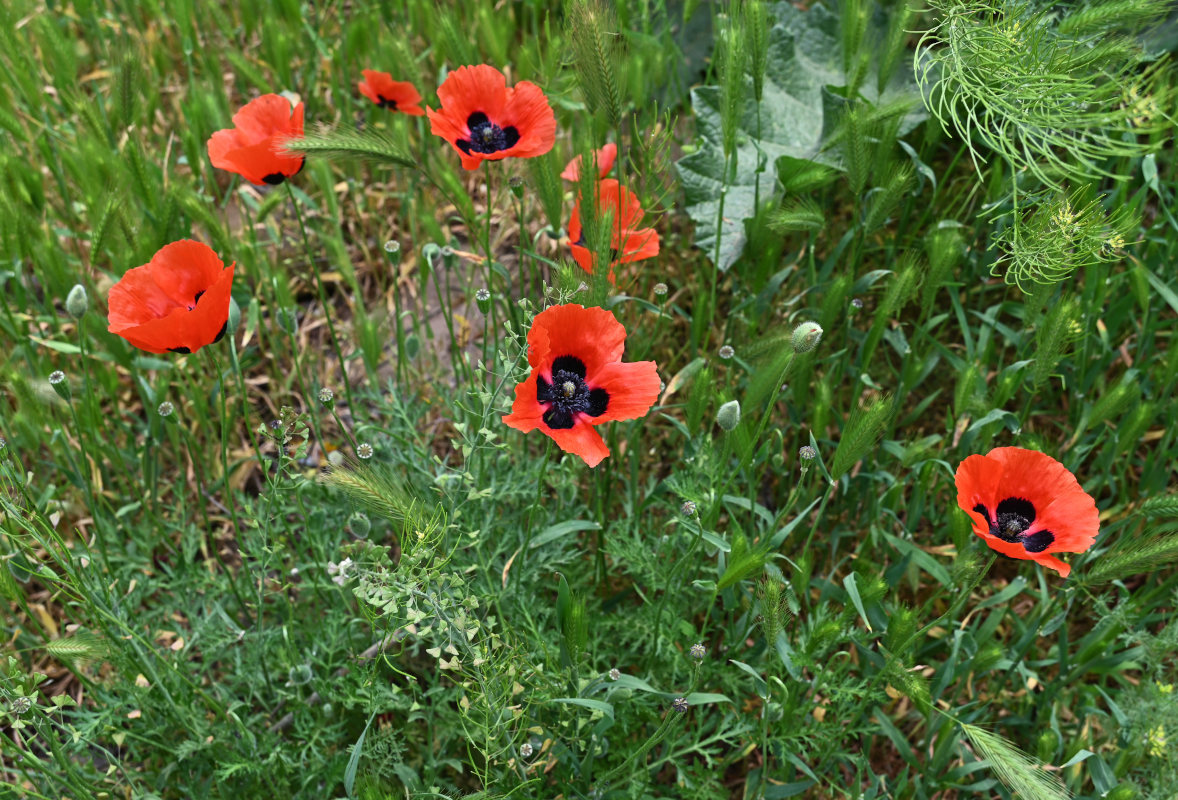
(728, 417)
(60, 384)
(482, 299)
(77, 301)
(806, 337)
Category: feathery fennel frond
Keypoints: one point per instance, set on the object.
(1010, 81)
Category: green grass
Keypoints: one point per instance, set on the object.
(171, 608)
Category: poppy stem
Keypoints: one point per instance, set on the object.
(541, 466)
(335, 345)
(227, 487)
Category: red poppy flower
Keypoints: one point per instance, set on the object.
(254, 149)
(1025, 504)
(380, 88)
(178, 302)
(604, 158)
(578, 380)
(484, 119)
(628, 242)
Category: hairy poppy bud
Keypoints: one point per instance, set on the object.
(77, 301)
(728, 417)
(1045, 745)
(806, 337)
(359, 525)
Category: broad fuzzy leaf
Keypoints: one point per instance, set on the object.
(805, 57)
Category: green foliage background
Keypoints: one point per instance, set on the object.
(192, 610)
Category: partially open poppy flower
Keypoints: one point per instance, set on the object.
(380, 88)
(483, 119)
(604, 158)
(578, 380)
(622, 210)
(1025, 504)
(254, 148)
(178, 302)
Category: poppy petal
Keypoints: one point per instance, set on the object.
(529, 113)
(264, 116)
(1040, 503)
(977, 482)
(221, 144)
(137, 299)
(591, 334)
(640, 245)
(185, 269)
(254, 147)
(259, 163)
(526, 411)
(1051, 562)
(380, 88)
(1029, 472)
(604, 159)
(179, 301)
(520, 117)
(633, 387)
(580, 440)
(1072, 519)
(468, 89)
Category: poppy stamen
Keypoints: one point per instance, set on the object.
(486, 137)
(385, 102)
(1015, 515)
(573, 397)
(1027, 505)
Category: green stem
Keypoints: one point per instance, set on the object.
(335, 345)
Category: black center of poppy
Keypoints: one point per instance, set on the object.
(487, 137)
(384, 102)
(1014, 515)
(568, 395)
(275, 178)
(196, 300)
